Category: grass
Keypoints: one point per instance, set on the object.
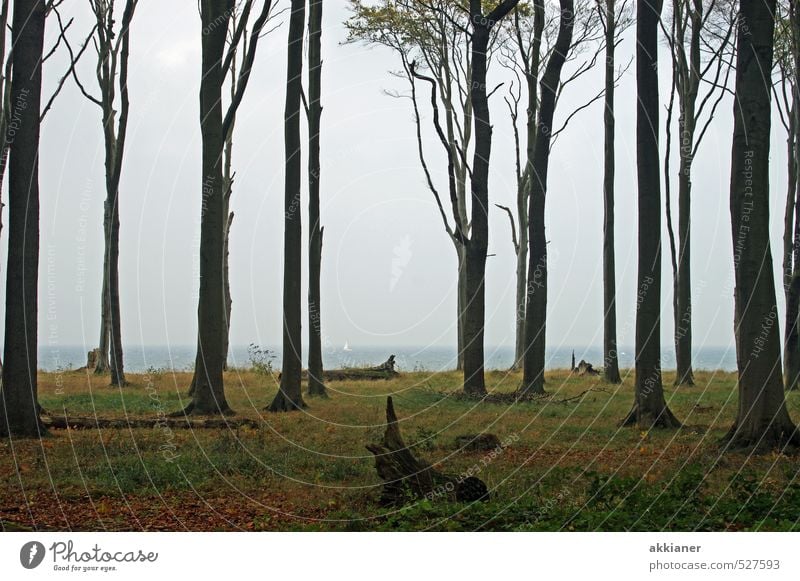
(568, 465)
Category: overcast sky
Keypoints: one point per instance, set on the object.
(376, 207)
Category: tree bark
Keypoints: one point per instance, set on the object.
(762, 422)
(649, 409)
(536, 309)
(791, 282)
(610, 352)
(208, 396)
(289, 396)
(316, 387)
(461, 301)
(531, 66)
(19, 407)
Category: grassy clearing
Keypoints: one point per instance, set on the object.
(569, 466)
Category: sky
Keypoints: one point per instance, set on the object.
(389, 269)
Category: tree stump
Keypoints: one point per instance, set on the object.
(585, 368)
(407, 478)
(91, 358)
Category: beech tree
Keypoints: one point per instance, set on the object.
(19, 413)
(290, 396)
(615, 20)
(536, 305)
(526, 47)
(700, 42)
(477, 243)
(112, 43)
(316, 386)
(787, 65)
(762, 420)
(208, 390)
(649, 408)
(433, 42)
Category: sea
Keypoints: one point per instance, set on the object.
(141, 358)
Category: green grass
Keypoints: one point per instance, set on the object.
(569, 467)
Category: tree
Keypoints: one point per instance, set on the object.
(536, 309)
(762, 421)
(614, 19)
(289, 396)
(112, 44)
(5, 97)
(787, 60)
(316, 387)
(649, 408)
(434, 44)
(699, 39)
(528, 45)
(478, 242)
(208, 390)
(19, 406)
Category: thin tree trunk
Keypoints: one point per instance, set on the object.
(791, 283)
(689, 86)
(649, 408)
(536, 309)
(289, 396)
(521, 274)
(227, 290)
(208, 396)
(5, 95)
(116, 359)
(461, 301)
(531, 62)
(762, 421)
(102, 364)
(19, 407)
(316, 387)
(610, 352)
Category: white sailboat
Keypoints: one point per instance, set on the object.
(346, 346)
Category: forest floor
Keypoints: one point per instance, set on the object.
(567, 465)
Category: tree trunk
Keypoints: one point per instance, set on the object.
(536, 309)
(531, 62)
(227, 286)
(610, 352)
(19, 407)
(683, 318)
(762, 422)
(116, 358)
(461, 302)
(209, 393)
(102, 364)
(521, 273)
(791, 282)
(649, 409)
(289, 396)
(316, 387)
(477, 245)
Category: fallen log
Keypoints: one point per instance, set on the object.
(407, 478)
(84, 423)
(383, 371)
